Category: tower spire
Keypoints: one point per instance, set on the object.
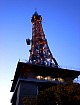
(40, 52)
(35, 9)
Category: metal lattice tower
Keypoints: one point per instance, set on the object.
(39, 52)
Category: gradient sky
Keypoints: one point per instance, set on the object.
(61, 25)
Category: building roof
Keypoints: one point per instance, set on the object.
(42, 70)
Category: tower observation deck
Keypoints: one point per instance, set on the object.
(39, 52)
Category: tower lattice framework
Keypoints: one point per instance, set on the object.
(40, 52)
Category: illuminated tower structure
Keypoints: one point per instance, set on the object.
(41, 70)
(40, 52)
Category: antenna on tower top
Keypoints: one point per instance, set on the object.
(35, 9)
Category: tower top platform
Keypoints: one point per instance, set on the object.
(36, 16)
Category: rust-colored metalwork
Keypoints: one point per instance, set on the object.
(40, 52)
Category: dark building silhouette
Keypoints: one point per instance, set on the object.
(41, 71)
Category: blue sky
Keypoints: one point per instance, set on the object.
(61, 25)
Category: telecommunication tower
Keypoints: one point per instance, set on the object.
(39, 52)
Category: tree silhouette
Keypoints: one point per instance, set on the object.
(68, 94)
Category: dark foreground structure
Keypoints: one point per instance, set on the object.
(41, 71)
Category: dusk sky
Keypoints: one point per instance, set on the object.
(61, 25)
